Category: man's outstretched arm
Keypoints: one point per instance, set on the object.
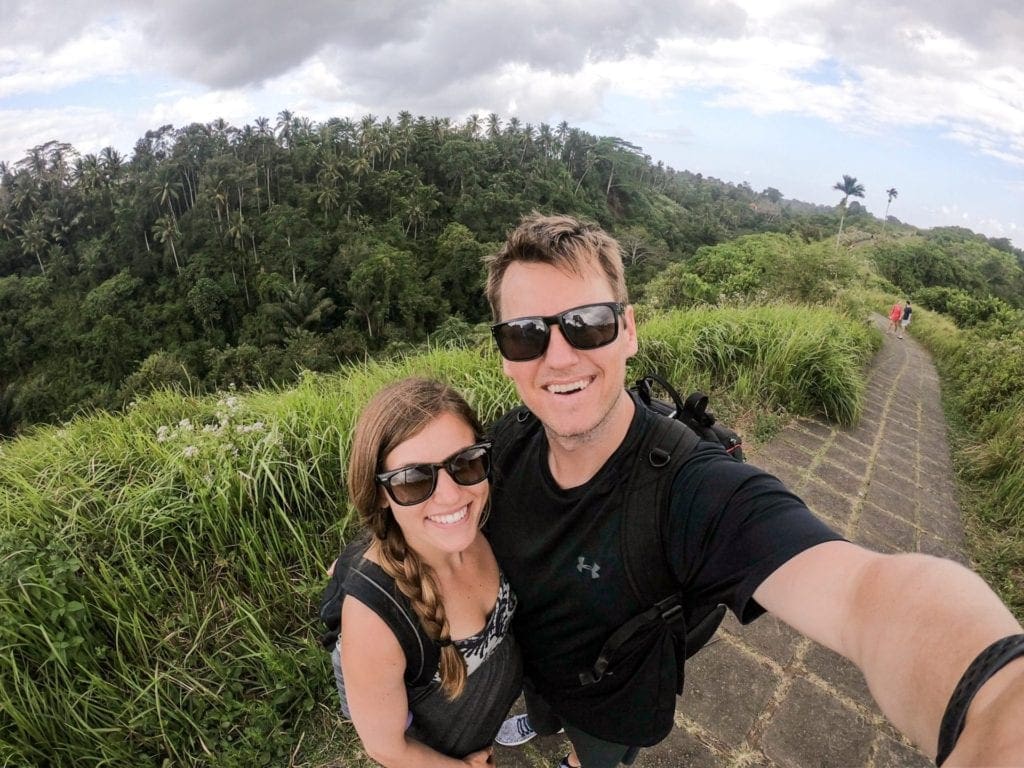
(912, 624)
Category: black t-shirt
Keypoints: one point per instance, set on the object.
(730, 526)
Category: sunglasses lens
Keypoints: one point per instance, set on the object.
(590, 327)
(522, 339)
(587, 327)
(412, 485)
(471, 466)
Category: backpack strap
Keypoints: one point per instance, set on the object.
(666, 446)
(663, 450)
(334, 592)
(368, 582)
(507, 431)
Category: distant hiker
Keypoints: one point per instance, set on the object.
(915, 625)
(894, 318)
(905, 321)
(418, 476)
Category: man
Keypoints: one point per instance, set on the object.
(907, 311)
(911, 623)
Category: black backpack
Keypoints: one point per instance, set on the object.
(372, 586)
(666, 447)
(693, 412)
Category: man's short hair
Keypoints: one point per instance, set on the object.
(563, 242)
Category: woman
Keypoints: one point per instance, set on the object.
(894, 318)
(418, 477)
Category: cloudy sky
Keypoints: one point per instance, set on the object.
(926, 96)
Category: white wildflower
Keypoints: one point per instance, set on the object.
(190, 451)
(185, 425)
(163, 434)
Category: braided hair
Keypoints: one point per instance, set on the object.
(395, 414)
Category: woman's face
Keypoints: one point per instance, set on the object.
(449, 520)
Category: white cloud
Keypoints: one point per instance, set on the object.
(88, 130)
(98, 52)
(181, 109)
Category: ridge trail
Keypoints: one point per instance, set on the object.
(765, 696)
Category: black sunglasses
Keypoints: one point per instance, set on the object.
(587, 327)
(415, 483)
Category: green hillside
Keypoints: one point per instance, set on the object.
(218, 255)
(188, 333)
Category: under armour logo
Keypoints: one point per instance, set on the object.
(581, 566)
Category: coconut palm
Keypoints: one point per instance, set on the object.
(893, 194)
(33, 240)
(165, 230)
(850, 188)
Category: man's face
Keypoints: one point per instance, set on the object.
(572, 391)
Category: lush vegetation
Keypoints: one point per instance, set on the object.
(216, 255)
(982, 364)
(161, 567)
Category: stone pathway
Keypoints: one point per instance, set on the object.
(765, 696)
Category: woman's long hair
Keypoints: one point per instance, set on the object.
(395, 414)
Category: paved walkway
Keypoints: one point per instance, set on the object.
(765, 696)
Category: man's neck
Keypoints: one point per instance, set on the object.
(575, 460)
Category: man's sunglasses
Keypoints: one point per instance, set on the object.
(415, 483)
(587, 327)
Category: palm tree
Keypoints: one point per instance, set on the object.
(33, 240)
(165, 230)
(284, 127)
(493, 125)
(472, 125)
(893, 194)
(301, 308)
(850, 188)
(112, 162)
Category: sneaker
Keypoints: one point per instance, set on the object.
(515, 731)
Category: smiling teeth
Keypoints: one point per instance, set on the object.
(454, 517)
(561, 389)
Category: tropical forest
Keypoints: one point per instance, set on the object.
(188, 331)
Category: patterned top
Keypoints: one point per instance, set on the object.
(478, 647)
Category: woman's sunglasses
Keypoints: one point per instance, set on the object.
(415, 483)
(587, 327)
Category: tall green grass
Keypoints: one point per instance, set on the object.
(983, 392)
(803, 359)
(160, 569)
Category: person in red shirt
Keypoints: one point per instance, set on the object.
(894, 318)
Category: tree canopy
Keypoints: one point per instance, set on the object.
(292, 244)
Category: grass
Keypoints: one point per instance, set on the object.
(984, 403)
(160, 569)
